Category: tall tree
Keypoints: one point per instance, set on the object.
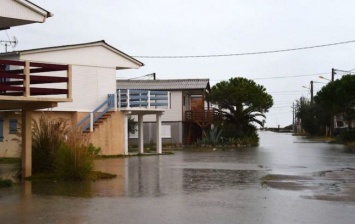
(338, 97)
(241, 102)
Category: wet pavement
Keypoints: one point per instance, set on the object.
(285, 180)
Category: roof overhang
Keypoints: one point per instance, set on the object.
(21, 12)
(125, 62)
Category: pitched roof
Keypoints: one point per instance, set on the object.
(164, 84)
(74, 46)
(21, 12)
(35, 7)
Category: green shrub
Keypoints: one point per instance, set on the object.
(346, 136)
(6, 183)
(75, 157)
(47, 137)
(212, 137)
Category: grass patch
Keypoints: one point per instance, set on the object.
(6, 183)
(10, 160)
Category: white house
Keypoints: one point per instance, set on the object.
(76, 82)
(16, 13)
(188, 114)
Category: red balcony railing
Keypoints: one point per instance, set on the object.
(20, 80)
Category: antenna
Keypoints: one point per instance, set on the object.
(7, 43)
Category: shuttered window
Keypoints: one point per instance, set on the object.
(13, 126)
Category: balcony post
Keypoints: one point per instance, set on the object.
(126, 134)
(140, 134)
(128, 105)
(158, 133)
(119, 99)
(168, 100)
(69, 83)
(91, 122)
(26, 81)
(115, 101)
(26, 143)
(148, 99)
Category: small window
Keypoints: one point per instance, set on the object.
(166, 131)
(13, 126)
(1, 130)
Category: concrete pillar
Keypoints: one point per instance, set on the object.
(158, 134)
(126, 134)
(140, 134)
(26, 143)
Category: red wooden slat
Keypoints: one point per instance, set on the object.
(11, 88)
(47, 91)
(11, 62)
(49, 66)
(12, 76)
(47, 79)
(34, 70)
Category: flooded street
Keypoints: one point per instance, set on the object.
(306, 183)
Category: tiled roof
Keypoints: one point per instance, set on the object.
(164, 84)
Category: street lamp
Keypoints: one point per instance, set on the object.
(322, 77)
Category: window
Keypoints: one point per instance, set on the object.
(166, 131)
(13, 126)
(1, 130)
(135, 135)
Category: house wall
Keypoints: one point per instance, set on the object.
(174, 113)
(9, 147)
(109, 136)
(90, 86)
(149, 129)
(94, 56)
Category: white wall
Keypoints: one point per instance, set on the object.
(91, 85)
(96, 55)
(175, 111)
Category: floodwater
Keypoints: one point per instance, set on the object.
(312, 183)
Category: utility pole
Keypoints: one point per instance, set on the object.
(333, 73)
(331, 131)
(311, 92)
(154, 76)
(293, 117)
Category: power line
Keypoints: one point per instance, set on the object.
(280, 77)
(248, 53)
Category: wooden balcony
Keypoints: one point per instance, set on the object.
(32, 85)
(202, 116)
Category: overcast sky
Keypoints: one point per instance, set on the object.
(209, 27)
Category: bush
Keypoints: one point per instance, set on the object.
(212, 137)
(6, 183)
(60, 151)
(346, 136)
(47, 137)
(75, 157)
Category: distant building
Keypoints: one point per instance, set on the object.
(189, 113)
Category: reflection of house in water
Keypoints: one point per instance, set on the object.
(144, 177)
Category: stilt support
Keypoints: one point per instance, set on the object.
(26, 144)
(158, 134)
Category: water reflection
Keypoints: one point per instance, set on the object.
(62, 188)
(199, 180)
(193, 187)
